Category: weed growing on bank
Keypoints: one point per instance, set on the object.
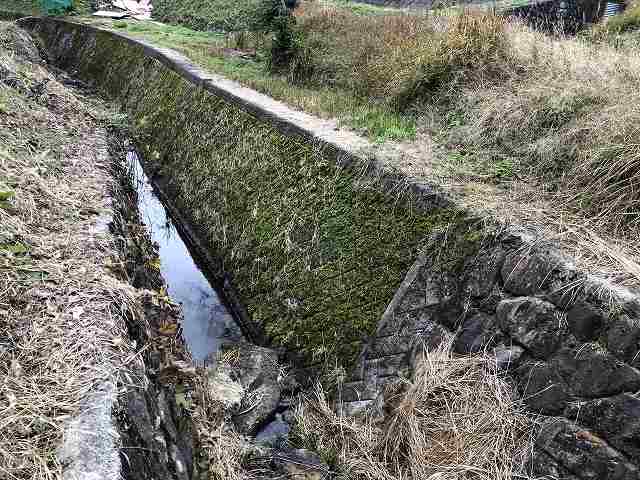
(456, 418)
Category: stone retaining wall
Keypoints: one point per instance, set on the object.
(568, 340)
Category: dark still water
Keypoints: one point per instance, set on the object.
(206, 322)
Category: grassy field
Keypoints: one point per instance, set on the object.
(233, 16)
(241, 57)
(21, 7)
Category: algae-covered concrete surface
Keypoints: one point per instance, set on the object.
(301, 223)
(321, 241)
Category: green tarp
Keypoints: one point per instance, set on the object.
(56, 7)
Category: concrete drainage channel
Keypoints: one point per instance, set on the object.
(144, 429)
(206, 321)
(568, 340)
(209, 329)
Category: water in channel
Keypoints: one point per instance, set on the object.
(206, 321)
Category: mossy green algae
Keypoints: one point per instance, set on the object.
(316, 251)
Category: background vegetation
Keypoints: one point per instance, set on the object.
(209, 14)
(22, 8)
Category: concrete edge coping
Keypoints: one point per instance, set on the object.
(90, 445)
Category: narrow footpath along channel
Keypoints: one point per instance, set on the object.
(206, 321)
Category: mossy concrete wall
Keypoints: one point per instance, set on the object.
(329, 251)
(314, 239)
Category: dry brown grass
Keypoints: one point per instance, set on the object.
(399, 58)
(457, 418)
(567, 116)
(223, 450)
(62, 324)
(556, 114)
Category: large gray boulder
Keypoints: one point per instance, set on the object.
(533, 323)
(246, 381)
(583, 453)
(592, 372)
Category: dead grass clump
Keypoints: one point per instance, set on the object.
(565, 115)
(222, 449)
(455, 419)
(224, 453)
(398, 58)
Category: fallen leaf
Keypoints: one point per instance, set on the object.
(181, 400)
(588, 436)
(168, 329)
(15, 248)
(16, 369)
(155, 264)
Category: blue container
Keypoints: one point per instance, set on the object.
(56, 7)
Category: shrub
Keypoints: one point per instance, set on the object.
(627, 21)
(399, 59)
(275, 16)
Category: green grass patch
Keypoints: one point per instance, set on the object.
(221, 15)
(214, 51)
(363, 8)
